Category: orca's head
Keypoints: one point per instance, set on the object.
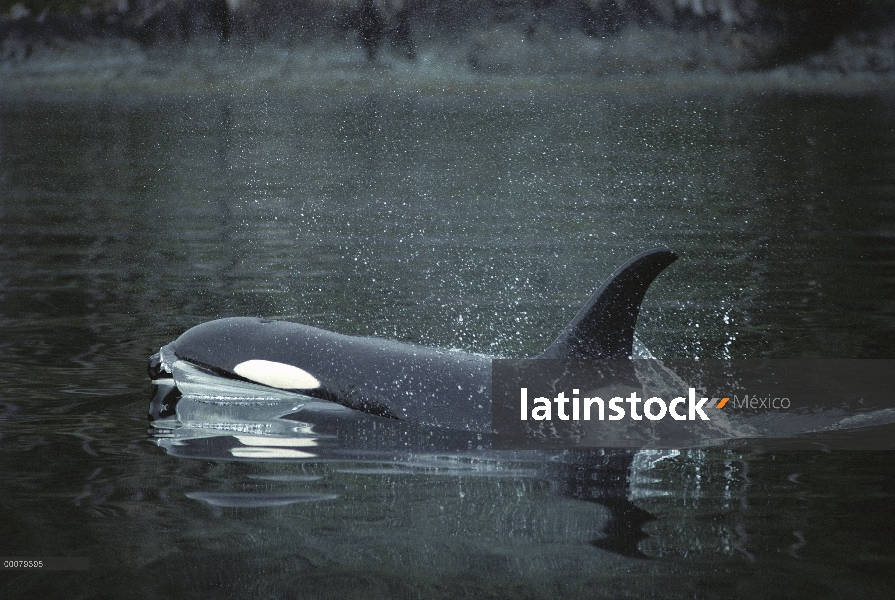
(249, 352)
(247, 349)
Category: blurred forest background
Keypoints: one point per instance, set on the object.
(492, 35)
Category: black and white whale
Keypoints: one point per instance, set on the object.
(377, 398)
(444, 389)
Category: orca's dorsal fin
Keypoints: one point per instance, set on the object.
(604, 327)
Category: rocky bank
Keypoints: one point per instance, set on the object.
(594, 38)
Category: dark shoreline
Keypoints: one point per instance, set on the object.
(182, 49)
(113, 69)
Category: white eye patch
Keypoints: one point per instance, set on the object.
(277, 375)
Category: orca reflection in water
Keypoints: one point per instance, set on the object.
(443, 395)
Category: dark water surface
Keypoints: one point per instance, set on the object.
(456, 221)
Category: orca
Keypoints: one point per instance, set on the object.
(356, 398)
(444, 389)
